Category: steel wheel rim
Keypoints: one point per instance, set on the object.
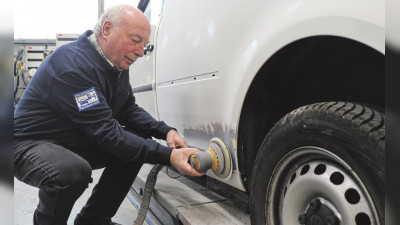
(347, 198)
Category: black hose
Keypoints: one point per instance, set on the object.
(148, 190)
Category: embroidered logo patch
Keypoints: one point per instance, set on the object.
(86, 99)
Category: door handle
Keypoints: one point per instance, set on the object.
(148, 48)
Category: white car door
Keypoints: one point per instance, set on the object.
(142, 72)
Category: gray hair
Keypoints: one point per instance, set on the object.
(113, 14)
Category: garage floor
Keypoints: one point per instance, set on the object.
(26, 199)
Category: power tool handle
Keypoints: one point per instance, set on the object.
(201, 161)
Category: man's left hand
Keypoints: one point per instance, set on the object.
(175, 140)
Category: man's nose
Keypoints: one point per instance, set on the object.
(140, 50)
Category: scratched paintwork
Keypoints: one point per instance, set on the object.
(207, 132)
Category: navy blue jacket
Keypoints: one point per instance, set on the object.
(79, 100)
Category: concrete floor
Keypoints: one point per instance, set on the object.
(26, 200)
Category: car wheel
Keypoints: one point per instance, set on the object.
(321, 164)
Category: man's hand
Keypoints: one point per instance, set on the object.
(175, 140)
(179, 159)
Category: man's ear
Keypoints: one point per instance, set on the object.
(107, 27)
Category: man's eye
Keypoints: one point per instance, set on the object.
(135, 41)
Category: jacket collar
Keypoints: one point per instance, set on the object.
(84, 43)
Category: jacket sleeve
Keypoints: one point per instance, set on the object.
(80, 100)
(136, 118)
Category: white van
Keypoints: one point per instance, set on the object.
(295, 91)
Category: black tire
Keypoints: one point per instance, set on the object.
(327, 154)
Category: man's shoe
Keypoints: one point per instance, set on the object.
(80, 220)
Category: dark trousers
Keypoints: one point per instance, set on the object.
(62, 176)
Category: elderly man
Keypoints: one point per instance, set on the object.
(79, 114)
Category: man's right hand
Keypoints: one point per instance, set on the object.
(179, 159)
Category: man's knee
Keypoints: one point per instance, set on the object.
(74, 174)
(44, 163)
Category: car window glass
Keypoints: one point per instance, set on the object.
(147, 12)
(153, 11)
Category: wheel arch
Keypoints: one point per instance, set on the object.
(310, 70)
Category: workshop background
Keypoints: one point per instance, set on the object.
(39, 28)
(43, 24)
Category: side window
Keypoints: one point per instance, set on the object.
(153, 11)
(147, 12)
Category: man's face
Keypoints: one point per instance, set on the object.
(124, 44)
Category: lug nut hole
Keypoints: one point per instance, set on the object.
(362, 219)
(320, 169)
(337, 178)
(305, 169)
(292, 178)
(352, 196)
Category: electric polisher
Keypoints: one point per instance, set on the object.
(216, 158)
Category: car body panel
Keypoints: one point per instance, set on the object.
(208, 53)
